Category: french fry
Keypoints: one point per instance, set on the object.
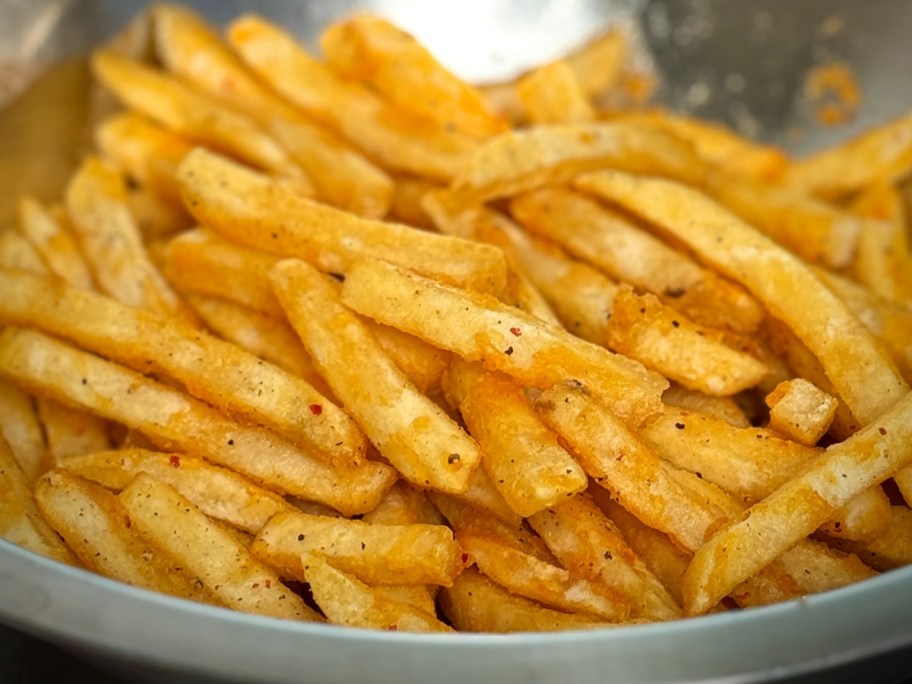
(346, 601)
(816, 567)
(793, 511)
(192, 50)
(397, 140)
(236, 579)
(248, 208)
(407, 202)
(893, 548)
(375, 553)
(476, 604)
(800, 410)
(552, 94)
(724, 408)
(220, 373)
(864, 517)
(477, 327)
(54, 242)
(626, 252)
(412, 432)
(20, 427)
(518, 161)
(172, 419)
(860, 370)
(20, 520)
(18, 253)
(218, 492)
(155, 219)
(643, 328)
(370, 49)
(521, 456)
(70, 432)
(98, 529)
(598, 64)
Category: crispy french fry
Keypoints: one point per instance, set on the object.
(54, 242)
(724, 408)
(70, 432)
(370, 49)
(407, 202)
(218, 372)
(864, 517)
(816, 567)
(477, 327)
(218, 492)
(18, 253)
(800, 410)
(412, 432)
(20, 427)
(626, 252)
(553, 94)
(247, 207)
(236, 579)
(20, 520)
(893, 548)
(174, 420)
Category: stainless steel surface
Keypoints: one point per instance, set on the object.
(743, 62)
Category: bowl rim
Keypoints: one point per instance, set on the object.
(93, 614)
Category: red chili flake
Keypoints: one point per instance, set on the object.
(465, 558)
(316, 409)
(175, 461)
(516, 331)
(393, 628)
(882, 431)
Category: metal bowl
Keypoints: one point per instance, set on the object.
(737, 61)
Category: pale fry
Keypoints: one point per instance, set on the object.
(378, 554)
(18, 253)
(479, 328)
(54, 242)
(165, 518)
(70, 432)
(893, 548)
(724, 408)
(218, 492)
(218, 372)
(172, 419)
(793, 511)
(553, 94)
(800, 410)
(864, 517)
(862, 373)
(249, 208)
(412, 432)
(816, 567)
(20, 427)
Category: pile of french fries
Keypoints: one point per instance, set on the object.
(347, 339)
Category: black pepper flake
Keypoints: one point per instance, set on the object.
(363, 546)
(230, 442)
(300, 537)
(882, 431)
(676, 324)
(85, 381)
(452, 458)
(608, 555)
(674, 292)
(508, 350)
(680, 426)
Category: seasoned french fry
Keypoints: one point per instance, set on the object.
(236, 579)
(247, 207)
(477, 327)
(893, 548)
(552, 94)
(220, 373)
(626, 252)
(20, 427)
(20, 520)
(54, 242)
(816, 567)
(724, 408)
(397, 140)
(410, 430)
(863, 518)
(70, 432)
(174, 420)
(800, 410)
(407, 202)
(217, 492)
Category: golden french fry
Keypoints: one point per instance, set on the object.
(800, 410)
(20, 520)
(724, 408)
(864, 517)
(643, 328)
(375, 553)
(598, 64)
(70, 432)
(370, 49)
(553, 94)
(167, 519)
(18, 253)
(859, 368)
(55, 243)
(478, 327)
(626, 252)
(254, 211)
(174, 420)
(893, 548)
(20, 427)
(793, 511)
(220, 373)
(397, 140)
(154, 218)
(218, 492)
(347, 601)
(412, 432)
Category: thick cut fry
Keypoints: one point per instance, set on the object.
(412, 432)
(553, 94)
(346, 601)
(476, 604)
(397, 140)
(70, 432)
(217, 492)
(54, 242)
(625, 251)
(667, 341)
(793, 511)
(519, 161)
(800, 410)
(20, 427)
(370, 49)
(252, 210)
(521, 456)
(192, 50)
(479, 328)
(218, 372)
(98, 529)
(174, 420)
(20, 521)
(165, 518)
(588, 544)
(111, 242)
(859, 368)
(374, 553)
